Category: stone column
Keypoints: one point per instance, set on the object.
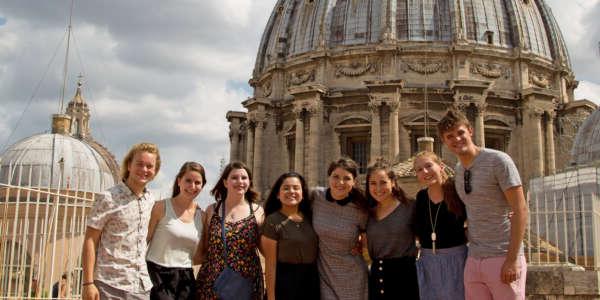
(313, 145)
(234, 138)
(404, 143)
(375, 129)
(550, 154)
(250, 145)
(479, 124)
(536, 159)
(257, 164)
(299, 145)
(394, 131)
(337, 142)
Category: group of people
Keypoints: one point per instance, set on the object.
(314, 241)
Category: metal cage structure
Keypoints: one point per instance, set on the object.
(41, 238)
(564, 219)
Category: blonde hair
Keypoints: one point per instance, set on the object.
(141, 147)
(435, 158)
(451, 197)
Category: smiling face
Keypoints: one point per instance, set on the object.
(142, 169)
(459, 139)
(290, 192)
(341, 183)
(380, 185)
(190, 184)
(429, 172)
(237, 182)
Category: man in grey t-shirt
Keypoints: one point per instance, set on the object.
(488, 182)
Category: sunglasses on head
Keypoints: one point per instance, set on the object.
(467, 180)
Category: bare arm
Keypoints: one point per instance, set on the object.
(516, 200)
(90, 245)
(200, 255)
(158, 212)
(269, 250)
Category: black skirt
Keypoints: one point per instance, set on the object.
(297, 281)
(171, 283)
(393, 278)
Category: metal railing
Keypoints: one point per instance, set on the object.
(41, 237)
(564, 219)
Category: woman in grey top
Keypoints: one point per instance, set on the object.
(289, 242)
(339, 217)
(390, 237)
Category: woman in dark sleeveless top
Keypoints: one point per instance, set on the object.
(439, 226)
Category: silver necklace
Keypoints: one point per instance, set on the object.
(433, 223)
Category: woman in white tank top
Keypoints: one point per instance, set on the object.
(175, 229)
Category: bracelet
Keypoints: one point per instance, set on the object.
(87, 283)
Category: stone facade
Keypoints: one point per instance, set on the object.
(319, 96)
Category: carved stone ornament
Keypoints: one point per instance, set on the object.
(427, 67)
(539, 80)
(267, 89)
(489, 70)
(300, 77)
(354, 69)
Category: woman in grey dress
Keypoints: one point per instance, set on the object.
(339, 217)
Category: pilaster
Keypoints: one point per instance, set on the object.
(550, 152)
(375, 107)
(299, 143)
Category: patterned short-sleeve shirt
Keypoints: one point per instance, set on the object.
(123, 219)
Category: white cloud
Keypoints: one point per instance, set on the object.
(588, 90)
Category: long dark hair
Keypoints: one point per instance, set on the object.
(273, 203)
(455, 205)
(382, 165)
(188, 166)
(220, 191)
(356, 194)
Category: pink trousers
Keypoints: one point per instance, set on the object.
(482, 279)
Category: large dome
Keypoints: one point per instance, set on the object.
(299, 26)
(39, 161)
(586, 148)
(370, 78)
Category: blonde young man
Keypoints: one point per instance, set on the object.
(114, 247)
(489, 184)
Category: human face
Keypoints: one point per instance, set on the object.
(290, 192)
(429, 172)
(380, 185)
(142, 169)
(190, 184)
(340, 183)
(459, 139)
(237, 182)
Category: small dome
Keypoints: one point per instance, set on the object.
(39, 161)
(586, 148)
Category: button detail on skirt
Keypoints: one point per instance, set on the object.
(380, 268)
(381, 262)
(380, 279)
(381, 291)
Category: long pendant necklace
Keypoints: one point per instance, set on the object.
(433, 224)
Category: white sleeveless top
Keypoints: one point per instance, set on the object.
(174, 242)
